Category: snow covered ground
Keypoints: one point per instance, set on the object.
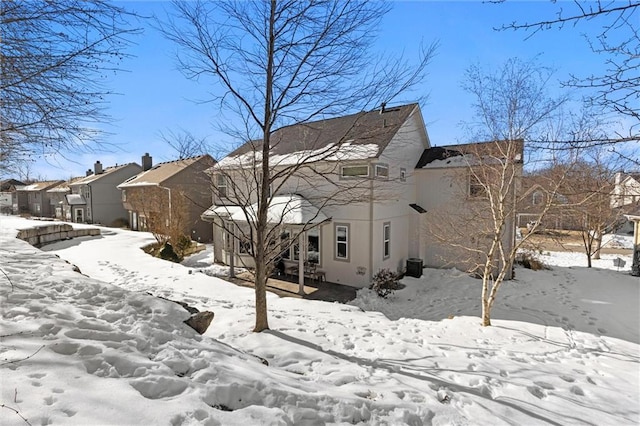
(98, 349)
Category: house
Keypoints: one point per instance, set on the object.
(540, 196)
(170, 194)
(626, 189)
(634, 217)
(95, 198)
(351, 207)
(9, 196)
(58, 198)
(37, 199)
(453, 183)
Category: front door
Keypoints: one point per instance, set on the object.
(79, 216)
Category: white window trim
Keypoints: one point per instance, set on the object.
(353, 166)
(346, 242)
(386, 240)
(220, 186)
(381, 166)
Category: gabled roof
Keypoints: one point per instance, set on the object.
(40, 186)
(9, 184)
(460, 155)
(94, 177)
(161, 172)
(365, 134)
(64, 187)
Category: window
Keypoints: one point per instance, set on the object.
(382, 171)
(386, 240)
(87, 193)
(354, 171)
(244, 245)
(285, 243)
(342, 242)
(313, 246)
(476, 188)
(403, 175)
(124, 195)
(537, 198)
(221, 185)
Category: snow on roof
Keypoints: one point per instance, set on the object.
(75, 199)
(283, 209)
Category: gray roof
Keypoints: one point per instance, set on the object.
(163, 171)
(363, 128)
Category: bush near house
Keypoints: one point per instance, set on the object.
(385, 282)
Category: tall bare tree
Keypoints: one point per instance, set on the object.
(276, 63)
(54, 59)
(617, 89)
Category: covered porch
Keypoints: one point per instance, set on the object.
(297, 241)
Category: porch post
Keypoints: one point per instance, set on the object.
(301, 252)
(232, 259)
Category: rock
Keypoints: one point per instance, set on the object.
(200, 321)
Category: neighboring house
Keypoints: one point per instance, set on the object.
(173, 193)
(633, 216)
(9, 203)
(626, 189)
(348, 241)
(535, 197)
(95, 198)
(37, 199)
(58, 197)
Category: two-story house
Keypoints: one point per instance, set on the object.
(58, 199)
(351, 195)
(626, 189)
(36, 197)
(95, 198)
(9, 196)
(170, 194)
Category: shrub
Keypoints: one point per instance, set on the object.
(168, 253)
(529, 260)
(181, 244)
(384, 282)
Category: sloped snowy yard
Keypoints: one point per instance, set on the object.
(564, 348)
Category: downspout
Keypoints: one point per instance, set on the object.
(372, 168)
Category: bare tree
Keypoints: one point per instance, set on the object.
(511, 106)
(278, 63)
(55, 56)
(185, 143)
(588, 185)
(617, 90)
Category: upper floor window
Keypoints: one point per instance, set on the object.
(354, 171)
(382, 171)
(221, 185)
(476, 188)
(537, 198)
(342, 242)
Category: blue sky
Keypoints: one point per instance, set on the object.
(154, 97)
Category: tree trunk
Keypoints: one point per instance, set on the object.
(597, 238)
(486, 308)
(261, 300)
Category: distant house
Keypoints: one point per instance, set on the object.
(58, 197)
(37, 199)
(169, 194)
(626, 189)
(538, 195)
(96, 198)
(375, 223)
(633, 216)
(9, 203)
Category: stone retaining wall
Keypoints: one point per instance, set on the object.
(40, 235)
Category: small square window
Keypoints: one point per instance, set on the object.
(382, 171)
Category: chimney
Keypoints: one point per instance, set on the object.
(98, 168)
(147, 162)
(382, 106)
(89, 172)
(619, 178)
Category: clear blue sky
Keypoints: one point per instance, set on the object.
(154, 97)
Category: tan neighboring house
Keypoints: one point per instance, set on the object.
(348, 240)
(95, 198)
(38, 202)
(9, 203)
(173, 193)
(534, 199)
